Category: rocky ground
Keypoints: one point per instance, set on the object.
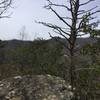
(37, 87)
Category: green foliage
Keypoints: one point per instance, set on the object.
(88, 27)
(85, 24)
(39, 57)
(92, 50)
(89, 76)
(95, 32)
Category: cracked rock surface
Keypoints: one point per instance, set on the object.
(36, 87)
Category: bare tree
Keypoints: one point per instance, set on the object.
(23, 34)
(78, 22)
(4, 6)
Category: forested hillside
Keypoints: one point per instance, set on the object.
(49, 57)
(36, 57)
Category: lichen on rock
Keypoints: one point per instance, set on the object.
(34, 87)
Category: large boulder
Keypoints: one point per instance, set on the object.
(37, 87)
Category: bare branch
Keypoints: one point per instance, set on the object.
(67, 18)
(84, 11)
(50, 8)
(4, 17)
(95, 12)
(60, 17)
(86, 2)
(54, 27)
(5, 3)
(57, 5)
(60, 33)
(4, 6)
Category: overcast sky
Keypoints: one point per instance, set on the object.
(25, 12)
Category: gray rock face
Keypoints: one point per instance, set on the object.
(38, 87)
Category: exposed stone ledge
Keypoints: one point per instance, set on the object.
(37, 87)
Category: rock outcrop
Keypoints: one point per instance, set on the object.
(37, 87)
